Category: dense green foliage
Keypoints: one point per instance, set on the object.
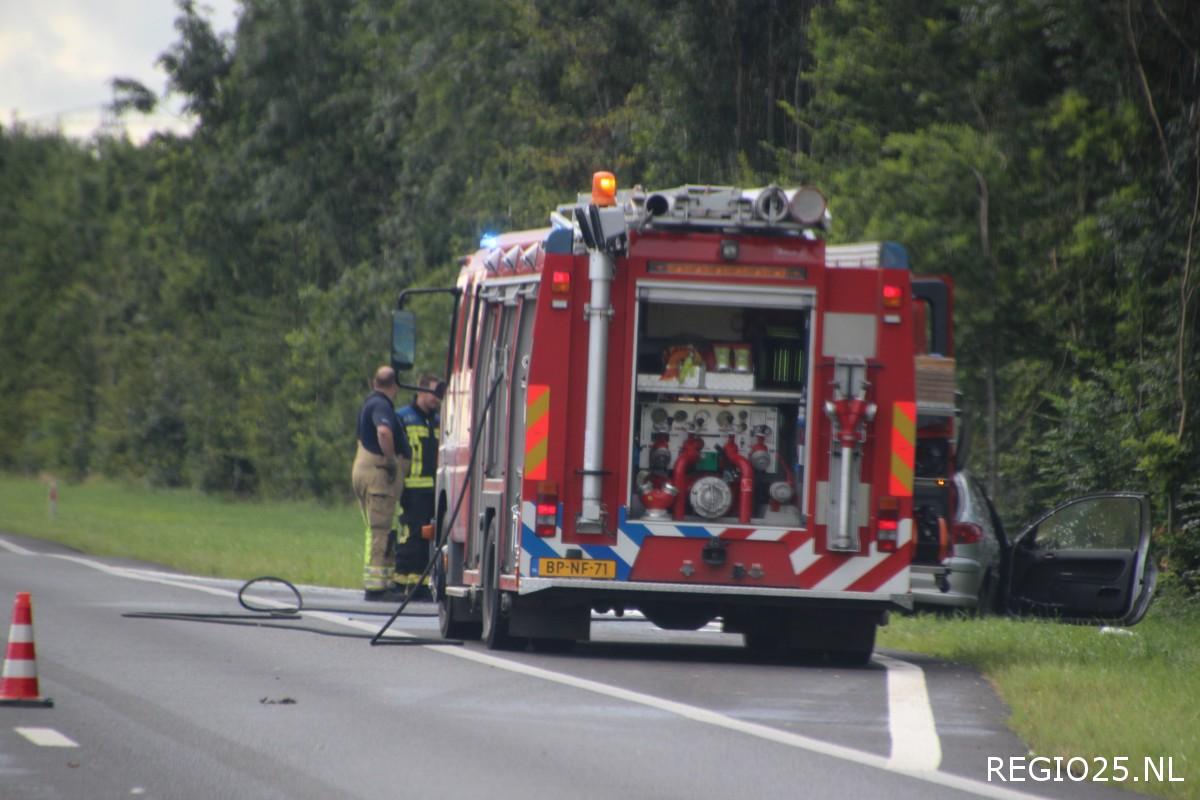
(204, 310)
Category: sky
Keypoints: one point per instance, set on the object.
(58, 56)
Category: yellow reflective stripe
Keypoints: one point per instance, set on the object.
(416, 440)
(417, 445)
(367, 544)
(377, 578)
(374, 578)
(904, 449)
(539, 402)
(537, 431)
(536, 457)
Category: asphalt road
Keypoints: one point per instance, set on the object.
(179, 709)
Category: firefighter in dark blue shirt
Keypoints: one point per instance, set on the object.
(420, 429)
(380, 463)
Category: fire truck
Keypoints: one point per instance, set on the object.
(682, 402)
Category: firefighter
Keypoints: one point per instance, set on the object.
(419, 428)
(378, 476)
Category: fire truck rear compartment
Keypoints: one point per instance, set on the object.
(719, 412)
(691, 561)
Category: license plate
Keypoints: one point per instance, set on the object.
(576, 568)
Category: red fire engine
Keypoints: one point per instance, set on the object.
(683, 402)
(674, 402)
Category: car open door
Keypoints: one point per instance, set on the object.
(1085, 561)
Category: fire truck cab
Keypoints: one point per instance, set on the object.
(675, 402)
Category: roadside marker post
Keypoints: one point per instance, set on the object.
(19, 686)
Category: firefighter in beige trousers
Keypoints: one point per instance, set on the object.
(380, 463)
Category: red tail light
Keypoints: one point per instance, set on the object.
(560, 282)
(967, 533)
(546, 509)
(887, 530)
(886, 535)
(892, 296)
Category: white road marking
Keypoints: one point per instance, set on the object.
(694, 713)
(16, 548)
(46, 737)
(915, 743)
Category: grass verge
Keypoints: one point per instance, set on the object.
(1075, 691)
(196, 533)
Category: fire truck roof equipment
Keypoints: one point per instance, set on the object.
(604, 189)
(769, 209)
(870, 255)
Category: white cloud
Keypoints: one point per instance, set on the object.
(93, 63)
(57, 58)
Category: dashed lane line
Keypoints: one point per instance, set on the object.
(46, 737)
(906, 693)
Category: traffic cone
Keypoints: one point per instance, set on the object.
(20, 682)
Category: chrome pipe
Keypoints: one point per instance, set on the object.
(601, 269)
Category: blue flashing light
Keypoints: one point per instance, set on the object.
(489, 240)
(894, 255)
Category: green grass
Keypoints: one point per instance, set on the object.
(1075, 691)
(196, 533)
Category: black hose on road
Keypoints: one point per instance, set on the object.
(280, 617)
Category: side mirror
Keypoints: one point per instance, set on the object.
(404, 340)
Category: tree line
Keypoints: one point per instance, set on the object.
(203, 310)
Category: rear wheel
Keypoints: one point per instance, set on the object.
(454, 614)
(843, 637)
(856, 647)
(451, 622)
(494, 619)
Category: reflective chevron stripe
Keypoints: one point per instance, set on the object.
(874, 573)
(537, 431)
(904, 449)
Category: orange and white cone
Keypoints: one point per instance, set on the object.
(19, 686)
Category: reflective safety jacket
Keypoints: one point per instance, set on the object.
(422, 433)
